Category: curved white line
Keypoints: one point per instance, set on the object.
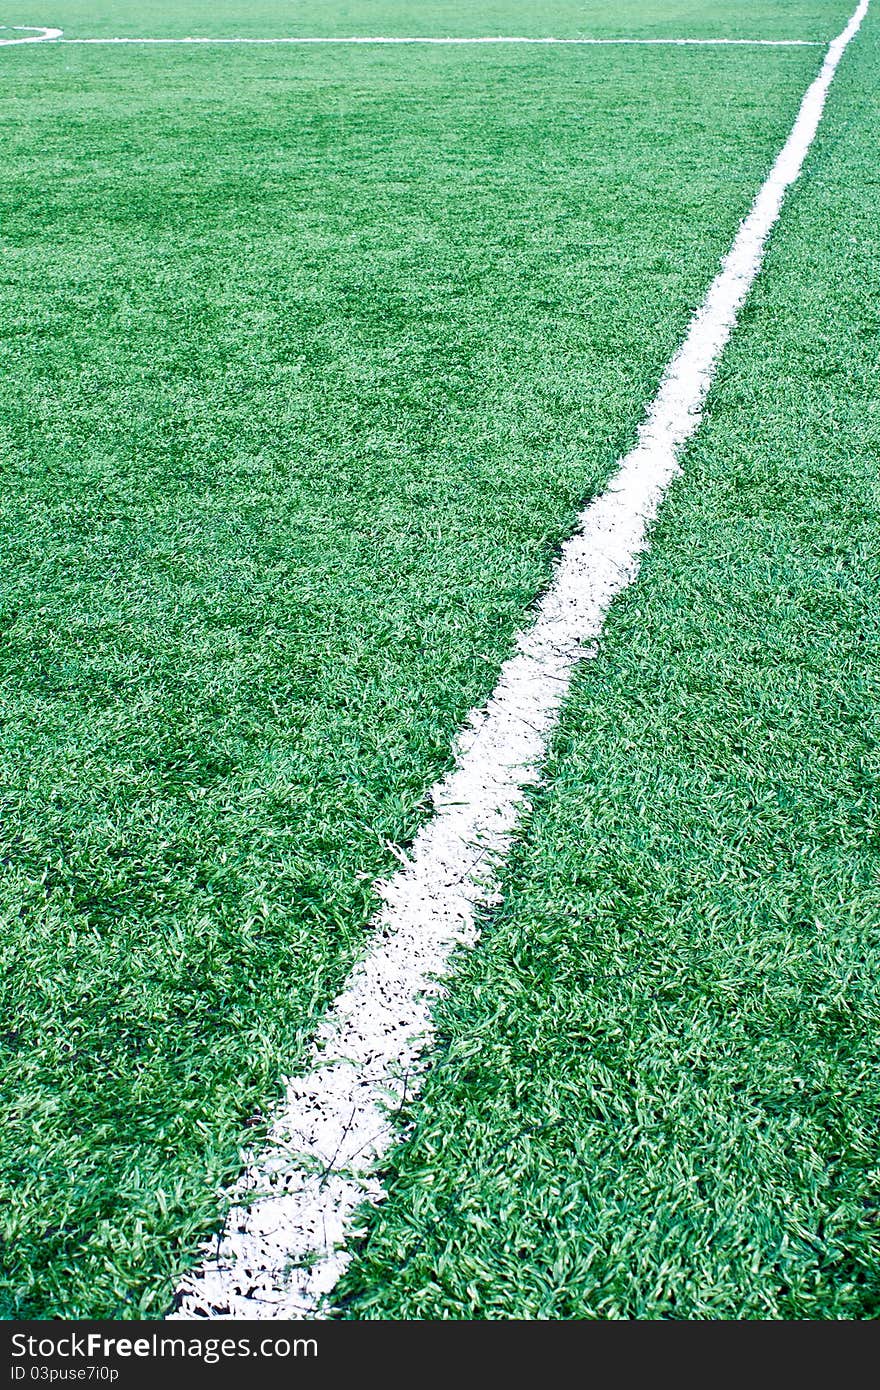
(282, 1250)
(38, 34)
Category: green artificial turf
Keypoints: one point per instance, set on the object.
(305, 365)
(798, 19)
(658, 1090)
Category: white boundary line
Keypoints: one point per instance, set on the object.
(57, 36)
(281, 1253)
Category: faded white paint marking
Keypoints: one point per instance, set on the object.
(447, 40)
(281, 1252)
(35, 34)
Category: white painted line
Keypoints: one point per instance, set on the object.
(380, 39)
(57, 36)
(37, 35)
(281, 1253)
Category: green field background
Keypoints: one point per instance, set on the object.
(306, 365)
(799, 19)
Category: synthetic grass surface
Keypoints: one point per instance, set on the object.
(797, 19)
(305, 368)
(658, 1094)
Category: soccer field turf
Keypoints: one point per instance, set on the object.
(309, 359)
